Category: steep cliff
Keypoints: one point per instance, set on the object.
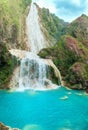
(52, 26)
(12, 23)
(12, 34)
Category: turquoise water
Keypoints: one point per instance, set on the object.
(60, 109)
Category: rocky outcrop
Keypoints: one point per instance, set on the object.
(56, 74)
(7, 65)
(3, 127)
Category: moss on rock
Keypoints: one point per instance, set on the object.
(7, 65)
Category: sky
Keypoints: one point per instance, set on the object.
(68, 10)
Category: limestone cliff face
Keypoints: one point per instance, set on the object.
(12, 35)
(12, 23)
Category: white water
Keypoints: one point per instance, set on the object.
(35, 36)
(33, 70)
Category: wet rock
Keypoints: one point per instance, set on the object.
(86, 90)
(3, 127)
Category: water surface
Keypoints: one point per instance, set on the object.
(60, 109)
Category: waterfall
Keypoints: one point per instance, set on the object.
(34, 72)
(35, 36)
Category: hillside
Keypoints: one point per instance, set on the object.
(70, 54)
(52, 26)
(79, 29)
(12, 22)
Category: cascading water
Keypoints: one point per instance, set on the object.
(35, 36)
(33, 70)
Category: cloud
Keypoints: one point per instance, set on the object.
(65, 9)
(70, 10)
(70, 6)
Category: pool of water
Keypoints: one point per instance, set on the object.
(60, 109)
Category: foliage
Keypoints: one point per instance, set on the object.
(70, 56)
(62, 56)
(78, 76)
(78, 29)
(11, 34)
(52, 23)
(25, 3)
(7, 64)
(12, 21)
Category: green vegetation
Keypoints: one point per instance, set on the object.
(12, 22)
(7, 64)
(78, 76)
(70, 53)
(25, 3)
(62, 56)
(78, 29)
(52, 23)
(70, 56)
(12, 26)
